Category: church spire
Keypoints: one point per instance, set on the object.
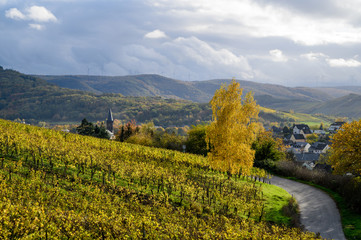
(110, 121)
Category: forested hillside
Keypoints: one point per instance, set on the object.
(329, 101)
(30, 98)
(196, 91)
(27, 97)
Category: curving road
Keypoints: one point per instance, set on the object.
(318, 210)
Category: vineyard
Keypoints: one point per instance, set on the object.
(59, 185)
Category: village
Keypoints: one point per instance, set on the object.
(309, 148)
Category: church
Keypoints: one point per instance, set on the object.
(110, 124)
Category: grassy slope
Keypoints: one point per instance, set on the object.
(310, 119)
(276, 198)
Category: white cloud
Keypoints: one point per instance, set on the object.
(14, 13)
(206, 61)
(250, 18)
(34, 13)
(277, 56)
(313, 56)
(340, 62)
(155, 34)
(36, 26)
(40, 14)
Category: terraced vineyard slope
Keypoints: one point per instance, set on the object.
(57, 185)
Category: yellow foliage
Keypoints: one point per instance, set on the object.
(233, 129)
(346, 149)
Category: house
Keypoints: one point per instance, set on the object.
(308, 165)
(307, 157)
(295, 138)
(320, 132)
(319, 147)
(301, 129)
(300, 147)
(335, 126)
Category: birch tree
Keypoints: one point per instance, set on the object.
(233, 129)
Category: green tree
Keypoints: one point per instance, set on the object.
(268, 151)
(286, 131)
(196, 140)
(233, 130)
(346, 149)
(88, 129)
(85, 128)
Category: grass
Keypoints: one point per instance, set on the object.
(276, 199)
(351, 222)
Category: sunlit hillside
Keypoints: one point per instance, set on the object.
(59, 185)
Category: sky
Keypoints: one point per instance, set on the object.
(288, 42)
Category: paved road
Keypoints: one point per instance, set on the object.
(318, 211)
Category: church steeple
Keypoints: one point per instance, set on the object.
(110, 121)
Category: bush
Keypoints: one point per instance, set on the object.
(267, 151)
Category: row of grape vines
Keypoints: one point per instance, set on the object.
(60, 185)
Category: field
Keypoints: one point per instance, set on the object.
(59, 185)
(313, 120)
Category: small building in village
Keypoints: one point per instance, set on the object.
(300, 147)
(301, 129)
(296, 138)
(319, 147)
(335, 126)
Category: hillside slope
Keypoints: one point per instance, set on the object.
(298, 99)
(27, 97)
(196, 91)
(349, 105)
(55, 188)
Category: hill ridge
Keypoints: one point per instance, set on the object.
(196, 91)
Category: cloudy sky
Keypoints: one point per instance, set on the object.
(288, 42)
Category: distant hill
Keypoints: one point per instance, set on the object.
(28, 97)
(340, 91)
(349, 106)
(196, 91)
(31, 98)
(299, 99)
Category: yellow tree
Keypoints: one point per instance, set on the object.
(233, 130)
(346, 149)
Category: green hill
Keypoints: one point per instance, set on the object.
(53, 187)
(28, 97)
(196, 91)
(349, 106)
(299, 99)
